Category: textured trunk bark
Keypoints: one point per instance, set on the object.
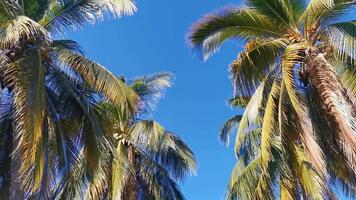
(132, 194)
(338, 102)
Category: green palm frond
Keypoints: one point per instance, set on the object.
(228, 127)
(249, 118)
(239, 101)
(291, 59)
(21, 28)
(150, 88)
(316, 8)
(254, 63)
(244, 180)
(323, 12)
(121, 170)
(29, 103)
(11, 9)
(93, 132)
(312, 183)
(268, 124)
(342, 38)
(35, 9)
(158, 181)
(233, 23)
(100, 79)
(6, 13)
(281, 11)
(74, 14)
(348, 77)
(166, 148)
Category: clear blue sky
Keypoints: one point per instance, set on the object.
(153, 40)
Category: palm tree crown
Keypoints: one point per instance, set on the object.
(48, 97)
(151, 159)
(296, 79)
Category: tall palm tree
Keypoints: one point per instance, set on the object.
(49, 89)
(150, 160)
(296, 79)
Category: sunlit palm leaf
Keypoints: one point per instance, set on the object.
(166, 149)
(281, 11)
(121, 170)
(21, 28)
(74, 14)
(29, 104)
(244, 180)
(232, 23)
(253, 64)
(101, 80)
(342, 38)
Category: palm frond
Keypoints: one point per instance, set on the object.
(166, 148)
(74, 14)
(239, 101)
(29, 103)
(35, 9)
(292, 59)
(280, 11)
(342, 37)
(244, 180)
(230, 23)
(338, 103)
(150, 88)
(228, 127)
(21, 28)
(269, 121)
(249, 118)
(121, 170)
(157, 179)
(311, 181)
(100, 79)
(6, 13)
(254, 63)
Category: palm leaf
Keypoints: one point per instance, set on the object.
(254, 63)
(274, 9)
(342, 37)
(166, 149)
(121, 170)
(100, 79)
(244, 180)
(21, 28)
(29, 104)
(214, 29)
(228, 127)
(74, 14)
(35, 9)
(150, 88)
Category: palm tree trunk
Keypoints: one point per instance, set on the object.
(132, 187)
(338, 102)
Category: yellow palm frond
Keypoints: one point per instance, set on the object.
(254, 63)
(102, 80)
(30, 104)
(21, 28)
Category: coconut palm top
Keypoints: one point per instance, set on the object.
(296, 79)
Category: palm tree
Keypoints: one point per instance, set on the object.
(296, 79)
(149, 159)
(49, 91)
